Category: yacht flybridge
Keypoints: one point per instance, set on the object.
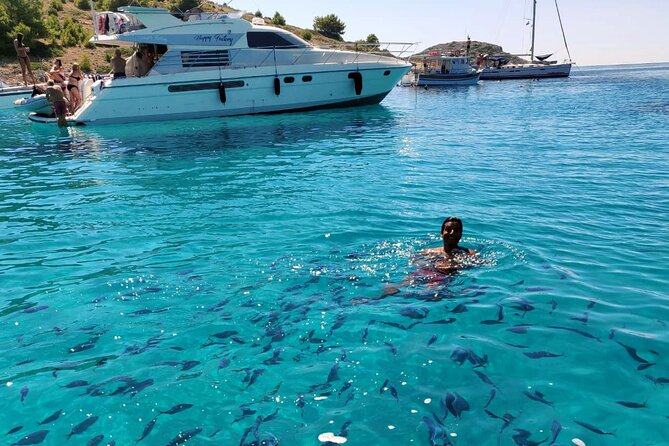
(220, 65)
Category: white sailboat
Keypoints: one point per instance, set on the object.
(538, 67)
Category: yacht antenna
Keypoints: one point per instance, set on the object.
(562, 28)
(534, 22)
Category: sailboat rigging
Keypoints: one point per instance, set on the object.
(538, 67)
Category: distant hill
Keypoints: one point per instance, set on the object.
(475, 49)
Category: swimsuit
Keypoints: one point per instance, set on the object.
(71, 86)
(60, 108)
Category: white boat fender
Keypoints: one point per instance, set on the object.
(357, 81)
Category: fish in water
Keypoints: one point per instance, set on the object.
(521, 304)
(633, 354)
(384, 386)
(484, 378)
(461, 354)
(556, 427)
(554, 304)
(660, 380)
(538, 396)
(147, 429)
(519, 329)
(575, 330)
(592, 428)
(393, 392)
(507, 418)
(35, 309)
(81, 427)
(95, 441)
(522, 438)
(460, 308)
(393, 349)
(493, 392)
(345, 387)
(459, 405)
(24, 393)
(365, 333)
(632, 404)
(51, 418)
(541, 354)
(432, 339)
(333, 375)
(583, 319)
(14, 430)
(254, 376)
(176, 409)
(183, 437)
(448, 404)
(32, 438)
(224, 334)
(76, 383)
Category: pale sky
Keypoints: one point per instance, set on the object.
(599, 32)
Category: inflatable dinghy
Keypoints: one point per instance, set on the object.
(37, 104)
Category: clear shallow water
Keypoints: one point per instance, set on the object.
(233, 265)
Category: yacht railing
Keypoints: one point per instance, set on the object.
(177, 61)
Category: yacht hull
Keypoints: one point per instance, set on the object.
(185, 96)
(529, 71)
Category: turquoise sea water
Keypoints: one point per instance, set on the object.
(233, 265)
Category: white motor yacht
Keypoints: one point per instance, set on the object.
(219, 65)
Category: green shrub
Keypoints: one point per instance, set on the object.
(258, 14)
(73, 33)
(85, 63)
(306, 35)
(84, 5)
(330, 26)
(278, 19)
(103, 68)
(56, 4)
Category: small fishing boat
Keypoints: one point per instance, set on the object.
(437, 70)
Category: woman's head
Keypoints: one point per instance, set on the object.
(75, 67)
(19, 37)
(57, 63)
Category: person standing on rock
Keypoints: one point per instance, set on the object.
(24, 61)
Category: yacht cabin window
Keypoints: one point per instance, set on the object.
(268, 39)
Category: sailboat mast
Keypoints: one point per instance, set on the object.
(534, 21)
